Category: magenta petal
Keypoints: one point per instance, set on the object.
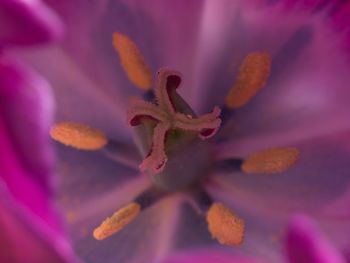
(305, 244)
(28, 219)
(27, 23)
(26, 106)
(208, 255)
(20, 182)
(26, 238)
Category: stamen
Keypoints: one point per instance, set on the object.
(252, 76)
(117, 221)
(224, 225)
(275, 160)
(132, 61)
(78, 136)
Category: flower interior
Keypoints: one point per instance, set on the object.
(176, 145)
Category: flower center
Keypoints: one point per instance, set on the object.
(169, 135)
(172, 141)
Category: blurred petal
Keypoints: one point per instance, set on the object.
(26, 238)
(28, 218)
(341, 20)
(208, 255)
(26, 167)
(304, 243)
(26, 107)
(27, 23)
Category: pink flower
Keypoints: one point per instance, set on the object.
(235, 78)
(30, 228)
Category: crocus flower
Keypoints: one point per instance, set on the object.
(248, 125)
(30, 227)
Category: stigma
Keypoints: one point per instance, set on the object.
(166, 114)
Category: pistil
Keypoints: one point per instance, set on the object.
(166, 117)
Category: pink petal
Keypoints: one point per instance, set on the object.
(26, 104)
(27, 23)
(26, 238)
(304, 243)
(28, 217)
(26, 163)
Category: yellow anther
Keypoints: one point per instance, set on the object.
(252, 76)
(117, 221)
(274, 160)
(132, 61)
(78, 136)
(224, 225)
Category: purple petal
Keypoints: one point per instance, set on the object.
(165, 33)
(27, 23)
(86, 177)
(305, 244)
(148, 238)
(72, 86)
(208, 255)
(26, 109)
(318, 178)
(308, 83)
(317, 185)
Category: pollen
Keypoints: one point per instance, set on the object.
(274, 160)
(132, 61)
(78, 136)
(117, 221)
(224, 225)
(252, 76)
